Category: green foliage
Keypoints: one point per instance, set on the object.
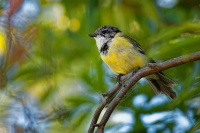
(64, 72)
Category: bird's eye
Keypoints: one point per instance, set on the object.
(104, 31)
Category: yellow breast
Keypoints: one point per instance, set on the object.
(122, 58)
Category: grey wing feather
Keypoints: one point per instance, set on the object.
(135, 43)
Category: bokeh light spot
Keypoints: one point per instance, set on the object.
(74, 25)
(2, 44)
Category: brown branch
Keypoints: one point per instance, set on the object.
(152, 68)
(103, 104)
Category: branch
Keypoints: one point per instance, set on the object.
(150, 69)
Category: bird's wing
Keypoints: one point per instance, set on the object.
(134, 42)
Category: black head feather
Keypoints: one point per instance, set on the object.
(105, 31)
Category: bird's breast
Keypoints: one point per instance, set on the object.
(122, 58)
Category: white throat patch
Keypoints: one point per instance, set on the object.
(100, 41)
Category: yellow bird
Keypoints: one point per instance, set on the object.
(123, 54)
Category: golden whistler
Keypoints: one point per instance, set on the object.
(123, 55)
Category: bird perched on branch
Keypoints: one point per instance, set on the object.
(123, 55)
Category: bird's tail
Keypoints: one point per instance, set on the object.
(162, 84)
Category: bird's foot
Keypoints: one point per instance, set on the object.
(135, 71)
(119, 78)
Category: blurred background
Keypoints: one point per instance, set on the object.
(52, 77)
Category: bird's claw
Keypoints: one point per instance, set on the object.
(135, 71)
(119, 78)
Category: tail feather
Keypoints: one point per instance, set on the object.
(162, 84)
(166, 81)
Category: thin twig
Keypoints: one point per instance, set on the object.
(98, 111)
(152, 68)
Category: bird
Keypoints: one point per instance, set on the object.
(123, 54)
